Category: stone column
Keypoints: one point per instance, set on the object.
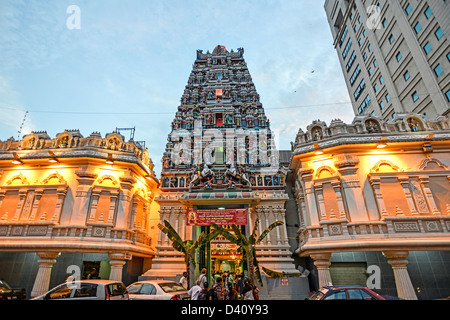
(318, 187)
(312, 214)
(95, 196)
(117, 262)
(351, 187)
(23, 196)
(397, 259)
(82, 197)
(404, 181)
(425, 181)
(375, 183)
(42, 281)
(322, 262)
(124, 202)
(37, 198)
(61, 192)
(337, 190)
(113, 197)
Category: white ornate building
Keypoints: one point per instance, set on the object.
(370, 187)
(71, 195)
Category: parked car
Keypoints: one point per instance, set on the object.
(157, 290)
(8, 293)
(87, 290)
(348, 293)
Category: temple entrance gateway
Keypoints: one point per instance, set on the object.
(221, 255)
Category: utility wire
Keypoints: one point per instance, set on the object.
(155, 113)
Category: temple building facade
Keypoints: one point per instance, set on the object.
(221, 165)
(74, 205)
(374, 203)
(363, 203)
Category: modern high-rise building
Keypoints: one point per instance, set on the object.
(395, 55)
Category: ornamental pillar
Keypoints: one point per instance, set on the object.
(353, 193)
(42, 281)
(425, 181)
(117, 262)
(337, 190)
(397, 259)
(312, 212)
(318, 187)
(322, 262)
(375, 183)
(404, 181)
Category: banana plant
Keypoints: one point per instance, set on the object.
(186, 247)
(247, 245)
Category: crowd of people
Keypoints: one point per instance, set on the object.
(227, 286)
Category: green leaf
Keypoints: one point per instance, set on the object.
(241, 237)
(177, 242)
(252, 238)
(276, 274)
(228, 235)
(256, 267)
(173, 232)
(268, 229)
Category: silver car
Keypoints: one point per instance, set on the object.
(87, 290)
(157, 290)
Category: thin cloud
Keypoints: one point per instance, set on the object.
(137, 56)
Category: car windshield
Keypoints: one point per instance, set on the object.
(318, 294)
(171, 287)
(4, 286)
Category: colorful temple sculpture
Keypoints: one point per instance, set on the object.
(221, 160)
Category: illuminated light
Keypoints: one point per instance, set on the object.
(109, 160)
(16, 159)
(221, 208)
(317, 150)
(382, 144)
(52, 157)
(148, 177)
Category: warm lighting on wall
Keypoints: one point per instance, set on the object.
(382, 144)
(16, 159)
(317, 150)
(52, 158)
(109, 160)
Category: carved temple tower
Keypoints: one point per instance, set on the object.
(221, 157)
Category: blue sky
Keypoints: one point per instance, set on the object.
(132, 58)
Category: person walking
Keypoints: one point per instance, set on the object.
(202, 278)
(232, 293)
(195, 290)
(218, 291)
(240, 286)
(205, 293)
(183, 280)
(250, 292)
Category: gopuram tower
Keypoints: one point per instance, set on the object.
(221, 165)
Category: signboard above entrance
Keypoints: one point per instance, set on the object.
(220, 217)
